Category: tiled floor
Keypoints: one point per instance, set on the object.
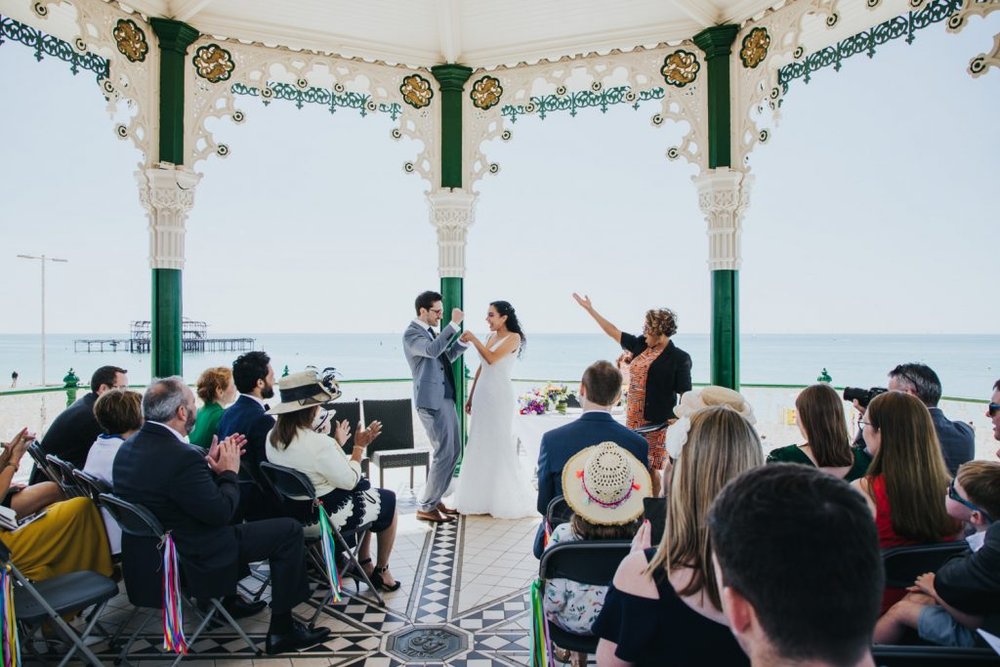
(471, 577)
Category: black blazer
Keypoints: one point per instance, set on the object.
(246, 417)
(669, 375)
(958, 440)
(170, 478)
(72, 433)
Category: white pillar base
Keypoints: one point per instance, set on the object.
(452, 212)
(166, 192)
(723, 195)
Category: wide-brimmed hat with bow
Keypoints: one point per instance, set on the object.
(605, 484)
(299, 391)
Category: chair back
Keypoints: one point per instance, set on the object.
(288, 482)
(134, 519)
(587, 562)
(63, 471)
(351, 411)
(94, 486)
(37, 454)
(557, 512)
(904, 564)
(396, 416)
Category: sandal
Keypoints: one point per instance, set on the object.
(378, 582)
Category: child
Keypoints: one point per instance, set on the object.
(947, 607)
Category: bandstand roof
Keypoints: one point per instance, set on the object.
(478, 33)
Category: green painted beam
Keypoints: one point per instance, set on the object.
(175, 38)
(453, 296)
(726, 329)
(167, 352)
(452, 79)
(717, 43)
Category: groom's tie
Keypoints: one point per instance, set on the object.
(446, 367)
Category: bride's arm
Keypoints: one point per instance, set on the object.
(489, 356)
(472, 390)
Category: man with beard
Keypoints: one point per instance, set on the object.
(254, 379)
(195, 498)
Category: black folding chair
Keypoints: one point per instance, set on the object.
(904, 564)
(889, 655)
(37, 455)
(394, 448)
(51, 599)
(587, 562)
(294, 485)
(557, 512)
(63, 471)
(92, 486)
(138, 521)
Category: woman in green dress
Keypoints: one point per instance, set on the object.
(823, 424)
(216, 390)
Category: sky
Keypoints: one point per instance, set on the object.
(873, 210)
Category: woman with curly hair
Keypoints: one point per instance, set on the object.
(659, 373)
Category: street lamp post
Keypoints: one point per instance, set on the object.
(43, 259)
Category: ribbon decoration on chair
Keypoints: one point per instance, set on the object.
(329, 552)
(173, 616)
(10, 646)
(541, 645)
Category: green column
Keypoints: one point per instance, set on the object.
(717, 44)
(167, 312)
(452, 79)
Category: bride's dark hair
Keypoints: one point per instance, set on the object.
(504, 309)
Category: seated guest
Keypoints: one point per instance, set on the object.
(798, 567)
(346, 496)
(119, 412)
(195, 497)
(24, 499)
(907, 477)
(254, 379)
(600, 389)
(68, 538)
(993, 412)
(664, 603)
(951, 604)
(820, 415)
(215, 389)
(604, 486)
(75, 429)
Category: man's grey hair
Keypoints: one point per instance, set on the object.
(162, 398)
(921, 380)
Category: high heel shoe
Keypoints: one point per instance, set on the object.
(380, 584)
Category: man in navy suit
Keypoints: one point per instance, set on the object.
(958, 440)
(195, 497)
(254, 379)
(600, 389)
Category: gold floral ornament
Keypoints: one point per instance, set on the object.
(680, 68)
(486, 93)
(214, 63)
(131, 40)
(755, 46)
(416, 91)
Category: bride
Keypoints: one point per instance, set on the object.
(492, 480)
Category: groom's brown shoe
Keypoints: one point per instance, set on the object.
(434, 516)
(447, 511)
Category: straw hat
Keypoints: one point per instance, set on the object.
(605, 484)
(307, 389)
(706, 397)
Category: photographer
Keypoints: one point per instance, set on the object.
(957, 438)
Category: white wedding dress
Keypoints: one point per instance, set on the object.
(492, 479)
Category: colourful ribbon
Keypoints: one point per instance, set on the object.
(329, 553)
(173, 617)
(10, 646)
(541, 644)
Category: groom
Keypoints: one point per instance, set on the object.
(429, 355)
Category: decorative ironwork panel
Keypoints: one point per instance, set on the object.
(416, 91)
(486, 93)
(131, 40)
(582, 99)
(680, 68)
(313, 95)
(47, 45)
(754, 47)
(213, 63)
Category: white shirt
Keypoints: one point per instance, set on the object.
(976, 540)
(182, 438)
(320, 457)
(100, 463)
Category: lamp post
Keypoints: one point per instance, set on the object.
(43, 259)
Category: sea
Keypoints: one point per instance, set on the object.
(965, 363)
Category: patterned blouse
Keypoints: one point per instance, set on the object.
(638, 370)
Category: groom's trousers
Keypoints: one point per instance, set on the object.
(442, 430)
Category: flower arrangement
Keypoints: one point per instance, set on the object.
(541, 400)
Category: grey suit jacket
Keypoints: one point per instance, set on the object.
(422, 352)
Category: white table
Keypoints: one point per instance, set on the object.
(530, 428)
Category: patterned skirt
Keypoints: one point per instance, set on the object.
(349, 509)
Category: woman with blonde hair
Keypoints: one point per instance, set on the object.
(822, 422)
(216, 390)
(671, 592)
(907, 477)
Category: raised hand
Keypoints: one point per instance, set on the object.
(457, 316)
(584, 301)
(643, 537)
(227, 455)
(342, 432)
(365, 436)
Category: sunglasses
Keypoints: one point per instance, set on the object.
(992, 409)
(953, 494)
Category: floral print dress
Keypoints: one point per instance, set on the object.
(571, 605)
(638, 370)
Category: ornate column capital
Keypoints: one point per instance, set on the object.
(452, 212)
(166, 192)
(723, 195)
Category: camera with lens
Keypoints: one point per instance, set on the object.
(863, 396)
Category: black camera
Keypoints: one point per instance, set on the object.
(863, 396)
